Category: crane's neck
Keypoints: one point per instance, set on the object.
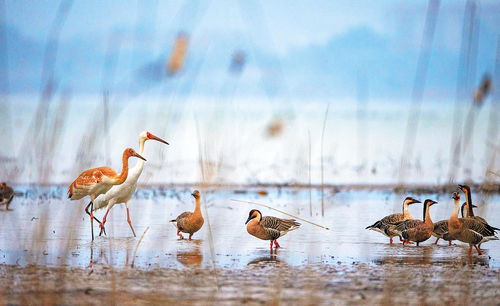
(406, 211)
(468, 200)
(123, 175)
(427, 214)
(137, 170)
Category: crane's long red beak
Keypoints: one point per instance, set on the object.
(137, 155)
(151, 136)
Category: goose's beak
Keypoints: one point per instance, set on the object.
(137, 155)
(248, 220)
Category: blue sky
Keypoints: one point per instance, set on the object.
(298, 47)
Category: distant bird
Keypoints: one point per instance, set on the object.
(6, 195)
(269, 228)
(190, 222)
(469, 230)
(441, 227)
(417, 230)
(124, 192)
(387, 224)
(96, 181)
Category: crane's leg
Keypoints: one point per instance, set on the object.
(91, 214)
(103, 230)
(130, 222)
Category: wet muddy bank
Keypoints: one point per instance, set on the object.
(258, 283)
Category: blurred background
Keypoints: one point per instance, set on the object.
(252, 92)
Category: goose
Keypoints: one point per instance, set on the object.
(190, 222)
(441, 227)
(469, 230)
(386, 224)
(269, 228)
(417, 230)
(6, 195)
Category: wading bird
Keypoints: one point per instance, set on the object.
(190, 222)
(469, 230)
(269, 228)
(387, 224)
(6, 195)
(96, 181)
(124, 192)
(417, 230)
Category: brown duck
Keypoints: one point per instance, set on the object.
(469, 230)
(6, 195)
(190, 222)
(417, 230)
(269, 228)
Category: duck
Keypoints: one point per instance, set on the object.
(417, 230)
(269, 228)
(469, 230)
(386, 224)
(441, 227)
(190, 222)
(6, 195)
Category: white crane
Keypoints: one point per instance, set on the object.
(124, 192)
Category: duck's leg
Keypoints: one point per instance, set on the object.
(179, 234)
(470, 249)
(390, 240)
(449, 243)
(271, 245)
(436, 241)
(276, 244)
(190, 235)
(130, 221)
(418, 243)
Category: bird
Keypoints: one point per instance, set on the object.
(96, 181)
(6, 195)
(417, 230)
(469, 230)
(269, 228)
(468, 201)
(123, 193)
(386, 224)
(441, 228)
(189, 222)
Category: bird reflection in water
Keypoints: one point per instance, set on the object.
(191, 256)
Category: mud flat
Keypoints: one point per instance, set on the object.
(264, 282)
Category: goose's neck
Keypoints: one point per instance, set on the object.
(406, 211)
(197, 208)
(468, 200)
(454, 214)
(123, 175)
(427, 214)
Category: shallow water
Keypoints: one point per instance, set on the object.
(46, 229)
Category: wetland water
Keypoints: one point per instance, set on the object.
(48, 232)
